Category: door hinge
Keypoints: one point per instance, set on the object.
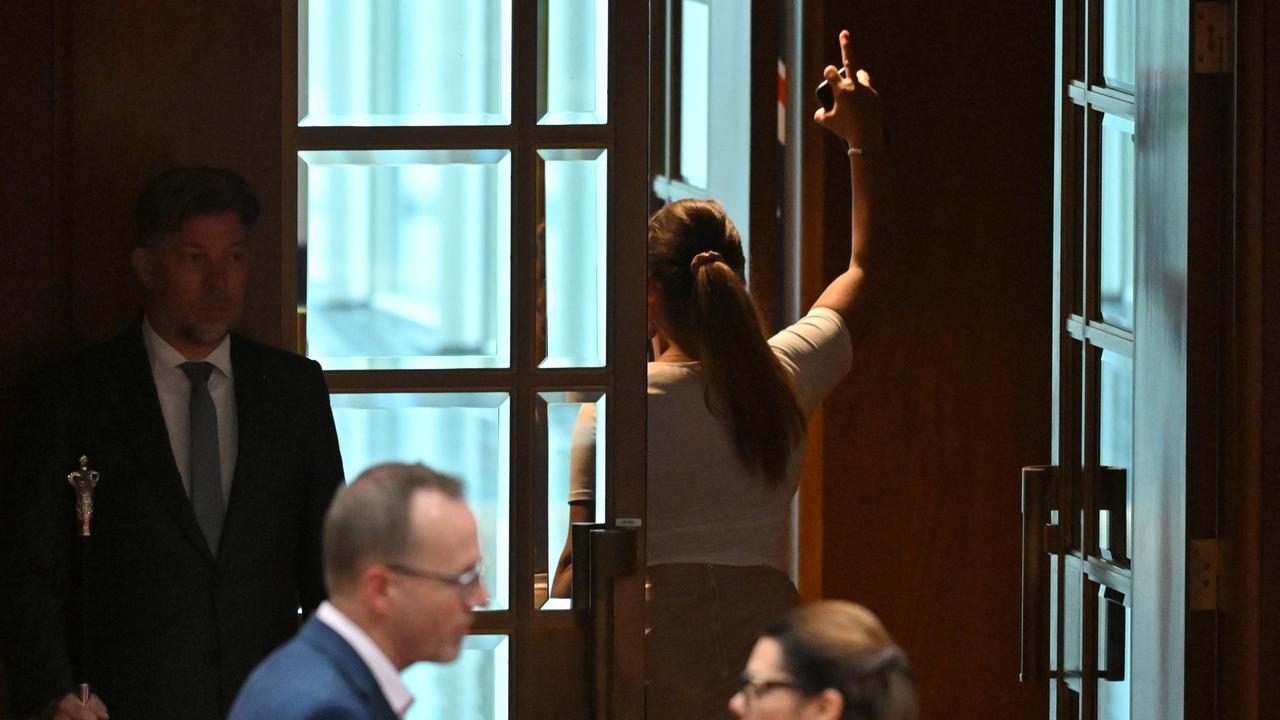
(1202, 574)
(1212, 52)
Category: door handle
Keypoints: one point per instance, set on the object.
(1040, 538)
(1113, 648)
(600, 555)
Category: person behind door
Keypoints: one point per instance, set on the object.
(217, 458)
(403, 565)
(727, 411)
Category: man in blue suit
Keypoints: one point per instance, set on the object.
(402, 561)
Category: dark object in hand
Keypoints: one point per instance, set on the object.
(825, 96)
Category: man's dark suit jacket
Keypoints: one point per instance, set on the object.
(315, 676)
(172, 631)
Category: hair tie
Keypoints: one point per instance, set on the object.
(702, 258)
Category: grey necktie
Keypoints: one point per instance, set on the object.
(206, 469)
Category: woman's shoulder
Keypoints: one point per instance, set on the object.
(665, 376)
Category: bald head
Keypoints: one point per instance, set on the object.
(370, 519)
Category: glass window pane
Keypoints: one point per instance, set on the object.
(407, 257)
(573, 432)
(466, 435)
(404, 62)
(1115, 430)
(473, 687)
(695, 68)
(573, 62)
(571, 227)
(1119, 43)
(1116, 207)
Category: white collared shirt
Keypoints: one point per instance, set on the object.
(386, 675)
(174, 390)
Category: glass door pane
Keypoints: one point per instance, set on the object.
(404, 62)
(407, 256)
(573, 62)
(466, 435)
(473, 687)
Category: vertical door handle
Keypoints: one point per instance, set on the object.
(1039, 540)
(600, 555)
(1113, 645)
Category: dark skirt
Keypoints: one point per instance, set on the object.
(702, 621)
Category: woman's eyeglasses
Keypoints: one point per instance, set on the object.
(753, 689)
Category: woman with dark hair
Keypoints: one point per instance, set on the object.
(830, 660)
(726, 421)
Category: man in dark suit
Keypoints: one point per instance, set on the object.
(217, 459)
(403, 565)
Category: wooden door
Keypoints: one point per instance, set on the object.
(466, 203)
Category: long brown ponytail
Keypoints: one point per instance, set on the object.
(716, 322)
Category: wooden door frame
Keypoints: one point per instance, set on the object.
(1250, 559)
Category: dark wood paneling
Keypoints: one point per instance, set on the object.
(26, 191)
(1209, 295)
(99, 96)
(766, 161)
(158, 84)
(1244, 430)
(28, 289)
(1268, 667)
(950, 391)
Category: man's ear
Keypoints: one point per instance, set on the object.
(375, 588)
(141, 260)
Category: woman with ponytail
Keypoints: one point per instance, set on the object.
(726, 423)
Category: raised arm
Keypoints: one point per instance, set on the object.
(857, 118)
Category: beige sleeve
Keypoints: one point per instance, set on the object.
(817, 352)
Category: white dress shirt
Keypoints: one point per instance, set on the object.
(174, 390)
(386, 675)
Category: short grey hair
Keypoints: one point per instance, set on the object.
(369, 520)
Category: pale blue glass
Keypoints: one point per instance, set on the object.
(575, 446)
(466, 435)
(1115, 429)
(404, 62)
(573, 62)
(573, 216)
(1116, 263)
(473, 687)
(1120, 43)
(407, 256)
(695, 81)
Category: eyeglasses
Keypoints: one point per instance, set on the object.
(468, 580)
(753, 689)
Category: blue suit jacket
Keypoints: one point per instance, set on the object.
(315, 676)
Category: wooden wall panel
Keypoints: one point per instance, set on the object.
(28, 290)
(950, 391)
(162, 83)
(26, 190)
(1268, 542)
(98, 97)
